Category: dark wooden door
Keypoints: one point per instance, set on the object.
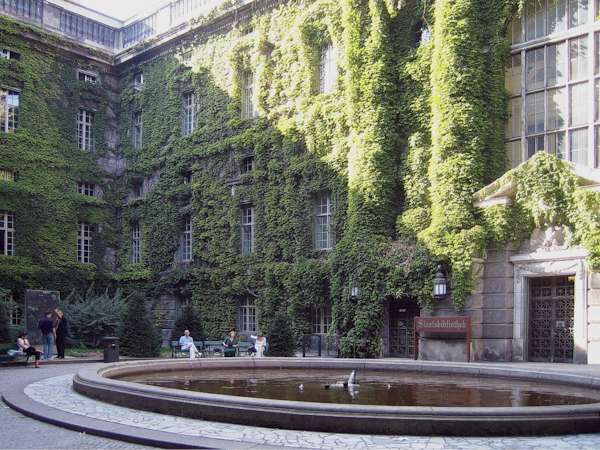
(551, 310)
(402, 326)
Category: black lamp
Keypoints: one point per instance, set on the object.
(440, 283)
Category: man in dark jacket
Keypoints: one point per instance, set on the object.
(62, 331)
(46, 326)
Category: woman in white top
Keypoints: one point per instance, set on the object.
(28, 349)
(187, 343)
(260, 345)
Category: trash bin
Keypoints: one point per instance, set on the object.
(111, 349)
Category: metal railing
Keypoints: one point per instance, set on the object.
(80, 27)
(28, 9)
(319, 345)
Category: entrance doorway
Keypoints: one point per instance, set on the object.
(551, 310)
(402, 327)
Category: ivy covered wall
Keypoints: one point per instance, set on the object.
(43, 155)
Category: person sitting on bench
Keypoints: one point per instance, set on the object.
(231, 344)
(259, 345)
(27, 349)
(187, 343)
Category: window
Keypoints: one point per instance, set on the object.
(546, 17)
(247, 316)
(84, 242)
(247, 165)
(578, 58)
(535, 113)
(137, 129)
(87, 189)
(534, 20)
(247, 95)
(9, 54)
(578, 12)
(87, 77)
(189, 105)
(557, 70)
(578, 107)
(7, 233)
(137, 190)
(513, 75)
(85, 129)
(321, 319)
(328, 69)
(135, 243)
(247, 231)
(557, 16)
(188, 178)
(578, 141)
(138, 80)
(16, 315)
(534, 69)
(184, 253)
(513, 130)
(9, 110)
(7, 175)
(322, 232)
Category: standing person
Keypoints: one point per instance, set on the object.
(187, 343)
(46, 326)
(61, 330)
(231, 344)
(28, 349)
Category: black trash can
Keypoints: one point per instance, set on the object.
(111, 349)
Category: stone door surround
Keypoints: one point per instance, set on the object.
(543, 264)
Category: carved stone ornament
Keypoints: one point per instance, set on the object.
(552, 238)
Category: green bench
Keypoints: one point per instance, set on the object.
(208, 348)
(176, 351)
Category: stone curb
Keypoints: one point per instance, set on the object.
(17, 400)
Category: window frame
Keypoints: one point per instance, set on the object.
(247, 315)
(85, 232)
(9, 113)
(7, 233)
(321, 319)
(137, 130)
(95, 78)
(320, 214)
(188, 119)
(247, 229)
(328, 69)
(87, 189)
(86, 130)
(136, 243)
(247, 95)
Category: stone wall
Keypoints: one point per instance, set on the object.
(593, 319)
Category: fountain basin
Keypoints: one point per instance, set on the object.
(105, 385)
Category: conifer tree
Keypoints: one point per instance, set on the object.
(189, 320)
(280, 338)
(139, 336)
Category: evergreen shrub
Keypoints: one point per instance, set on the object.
(139, 336)
(280, 337)
(93, 315)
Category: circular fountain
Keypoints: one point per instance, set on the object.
(386, 397)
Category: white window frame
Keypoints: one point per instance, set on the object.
(85, 129)
(7, 175)
(247, 95)
(247, 315)
(16, 316)
(247, 164)
(137, 132)
(328, 69)
(138, 80)
(87, 77)
(7, 233)
(136, 243)
(88, 189)
(185, 251)
(84, 242)
(9, 111)
(320, 319)
(6, 53)
(188, 124)
(247, 229)
(323, 213)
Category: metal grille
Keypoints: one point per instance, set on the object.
(551, 309)
(402, 326)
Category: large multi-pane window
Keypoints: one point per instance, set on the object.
(87, 189)
(549, 17)
(137, 129)
(135, 243)
(322, 222)
(9, 110)
(247, 95)
(247, 229)
(189, 113)
(7, 175)
(87, 77)
(246, 165)
(9, 54)
(328, 69)
(7, 233)
(555, 96)
(84, 242)
(85, 129)
(184, 253)
(16, 315)
(247, 316)
(321, 319)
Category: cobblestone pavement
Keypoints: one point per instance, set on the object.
(57, 392)
(20, 432)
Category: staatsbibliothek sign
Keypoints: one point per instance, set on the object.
(458, 325)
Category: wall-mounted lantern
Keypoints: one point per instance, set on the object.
(440, 283)
(354, 292)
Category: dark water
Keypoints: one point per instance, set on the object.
(375, 388)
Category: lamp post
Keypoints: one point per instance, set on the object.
(440, 283)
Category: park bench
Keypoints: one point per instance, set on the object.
(213, 348)
(13, 355)
(176, 351)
